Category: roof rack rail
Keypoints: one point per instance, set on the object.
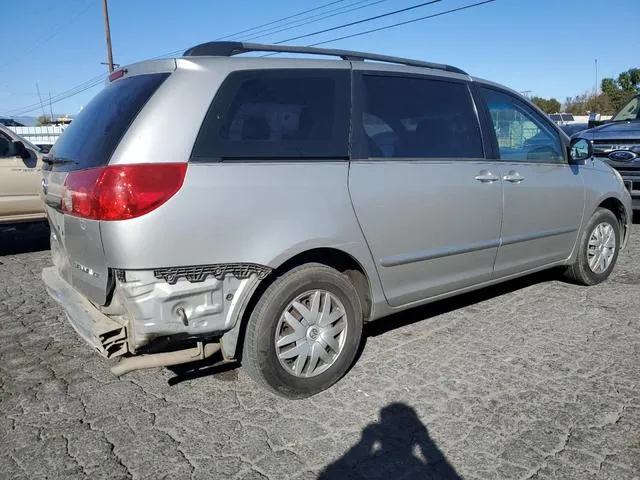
(228, 49)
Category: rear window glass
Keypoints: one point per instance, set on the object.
(413, 117)
(94, 134)
(277, 114)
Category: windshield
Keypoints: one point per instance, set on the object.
(28, 144)
(630, 111)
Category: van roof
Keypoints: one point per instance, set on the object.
(228, 49)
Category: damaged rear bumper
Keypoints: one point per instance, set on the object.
(105, 334)
(146, 305)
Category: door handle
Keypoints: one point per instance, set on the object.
(513, 177)
(486, 176)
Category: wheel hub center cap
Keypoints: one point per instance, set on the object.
(313, 333)
(602, 248)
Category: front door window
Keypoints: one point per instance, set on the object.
(522, 135)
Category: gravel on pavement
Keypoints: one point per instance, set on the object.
(533, 379)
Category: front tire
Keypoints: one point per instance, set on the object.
(304, 332)
(597, 250)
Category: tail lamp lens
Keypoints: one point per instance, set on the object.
(121, 192)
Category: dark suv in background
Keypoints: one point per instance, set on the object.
(617, 141)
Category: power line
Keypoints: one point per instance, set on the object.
(282, 19)
(86, 85)
(357, 22)
(98, 79)
(376, 17)
(33, 109)
(59, 99)
(92, 82)
(323, 6)
(315, 18)
(477, 4)
(50, 35)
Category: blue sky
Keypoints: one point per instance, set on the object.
(545, 46)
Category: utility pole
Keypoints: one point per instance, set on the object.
(595, 95)
(107, 31)
(50, 107)
(40, 97)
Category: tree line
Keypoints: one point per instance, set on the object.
(614, 93)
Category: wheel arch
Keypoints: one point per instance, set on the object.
(339, 259)
(615, 206)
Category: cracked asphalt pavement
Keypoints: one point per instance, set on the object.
(534, 379)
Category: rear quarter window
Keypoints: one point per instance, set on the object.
(94, 134)
(277, 114)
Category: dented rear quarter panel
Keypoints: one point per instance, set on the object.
(264, 213)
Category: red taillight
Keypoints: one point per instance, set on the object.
(119, 192)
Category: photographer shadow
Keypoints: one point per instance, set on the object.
(398, 446)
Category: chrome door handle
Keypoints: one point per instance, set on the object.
(486, 176)
(513, 177)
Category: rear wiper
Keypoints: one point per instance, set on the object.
(58, 160)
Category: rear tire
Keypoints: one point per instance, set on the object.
(304, 332)
(598, 249)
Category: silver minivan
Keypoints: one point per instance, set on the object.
(263, 209)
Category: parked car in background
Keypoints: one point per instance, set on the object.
(20, 180)
(573, 128)
(298, 198)
(617, 142)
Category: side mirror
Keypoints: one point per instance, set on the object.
(21, 150)
(580, 149)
